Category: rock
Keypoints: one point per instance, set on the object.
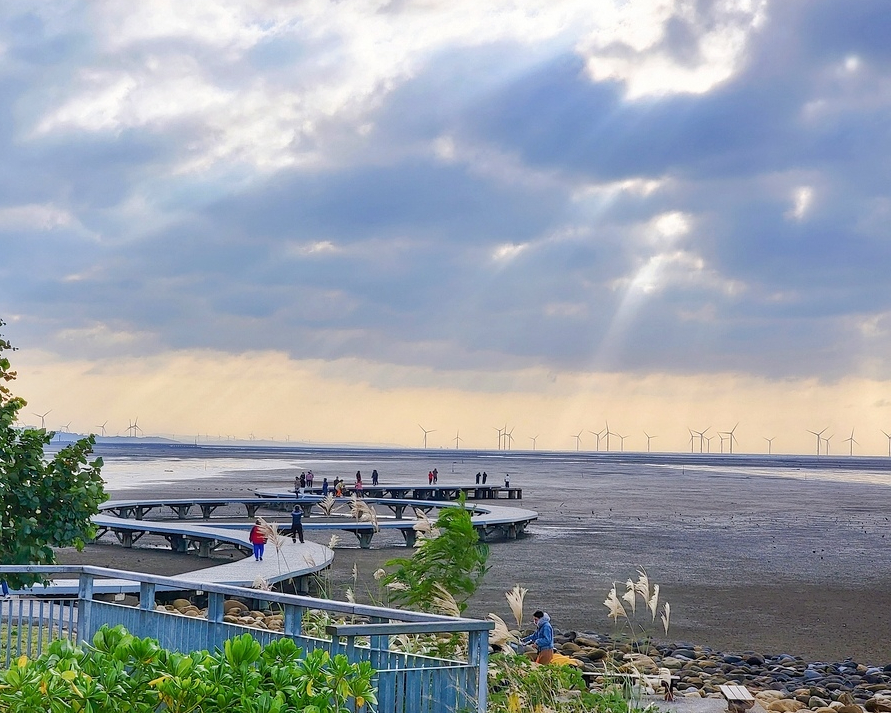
(786, 705)
(815, 702)
(824, 709)
(765, 698)
(570, 648)
(595, 654)
(755, 660)
(584, 641)
(180, 604)
(878, 704)
(672, 663)
(849, 708)
(846, 699)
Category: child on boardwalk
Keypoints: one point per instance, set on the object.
(258, 540)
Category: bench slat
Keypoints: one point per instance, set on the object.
(736, 693)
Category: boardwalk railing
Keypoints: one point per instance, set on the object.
(407, 682)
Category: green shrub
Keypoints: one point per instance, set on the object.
(121, 673)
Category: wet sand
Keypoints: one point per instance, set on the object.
(748, 562)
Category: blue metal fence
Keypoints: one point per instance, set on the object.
(407, 682)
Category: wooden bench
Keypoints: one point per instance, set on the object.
(739, 698)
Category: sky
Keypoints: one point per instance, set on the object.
(356, 222)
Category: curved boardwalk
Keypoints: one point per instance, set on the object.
(128, 521)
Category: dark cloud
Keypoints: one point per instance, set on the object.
(389, 252)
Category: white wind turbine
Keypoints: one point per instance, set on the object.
(597, 435)
(608, 433)
(508, 438)
(432, 430)
(42, 417)
(649, 438)
(578, 440)
(533, 439)
(622, 444)
(457, 439)
(500, 435)
(850, 440)
(102, 427)
(888, 436)
(731, 437)
(819, 436)
(826, 441)
(769, 443)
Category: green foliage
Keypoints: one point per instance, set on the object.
(455, 560)
(124, 674)
(43, 503)
(516, 684)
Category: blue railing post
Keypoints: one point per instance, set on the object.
(84, 607)
(478, 657)
(147, 596)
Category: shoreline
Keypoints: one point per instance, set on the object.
(748, 564)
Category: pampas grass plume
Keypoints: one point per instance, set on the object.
(666, 616)
(500, 635)
(614, 605)
(444, 602)
(653, 604)
(515, 599)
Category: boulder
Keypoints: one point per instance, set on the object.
(786, 705)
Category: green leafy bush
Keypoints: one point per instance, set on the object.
(121, 673)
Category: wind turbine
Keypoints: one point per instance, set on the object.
(578, 440)
(888, 436)
(708, 444)
(649, 438)
(457, 439)
(769, 443)
(533, 439)
(701, 435)
(597, 435)
(42, 417)
(730, 436)
(826, 441)
(65, 428)
(432, 430)
(508, 438)
(608, 434)
(851, 441)
(622, 446)
(691, 438)
(819, 437)
(102, 427)
(500, 435)
(133, 429)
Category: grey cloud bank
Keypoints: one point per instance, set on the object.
(487, 204)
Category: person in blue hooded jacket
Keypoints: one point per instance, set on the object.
(542, 638)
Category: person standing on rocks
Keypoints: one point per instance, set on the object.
(297, 524)
(542, 638)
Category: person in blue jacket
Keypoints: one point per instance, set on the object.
(542, 638)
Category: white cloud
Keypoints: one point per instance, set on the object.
(507, 252)
(34, 216)
(801, 202)
(629, 46)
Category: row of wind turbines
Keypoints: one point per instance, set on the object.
(506, 439)
(134, 429)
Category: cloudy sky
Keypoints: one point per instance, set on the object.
(337, 221)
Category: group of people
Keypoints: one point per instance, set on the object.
(305, 480)
(258, 535)
(432, 477)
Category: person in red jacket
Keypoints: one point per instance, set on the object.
(258, 540)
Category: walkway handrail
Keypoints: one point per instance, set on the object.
(403, 679)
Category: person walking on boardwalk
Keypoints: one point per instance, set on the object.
(507, 480)
(485, 475)
(374, 477)
(324, 487)
(435, 476)
(542, 638)
(258, 540)
(297, 524)
(309, 479)
(358, 477)
(430, 478)
(478, 475)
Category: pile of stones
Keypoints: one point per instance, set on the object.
(234, 612)
(781, 683)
